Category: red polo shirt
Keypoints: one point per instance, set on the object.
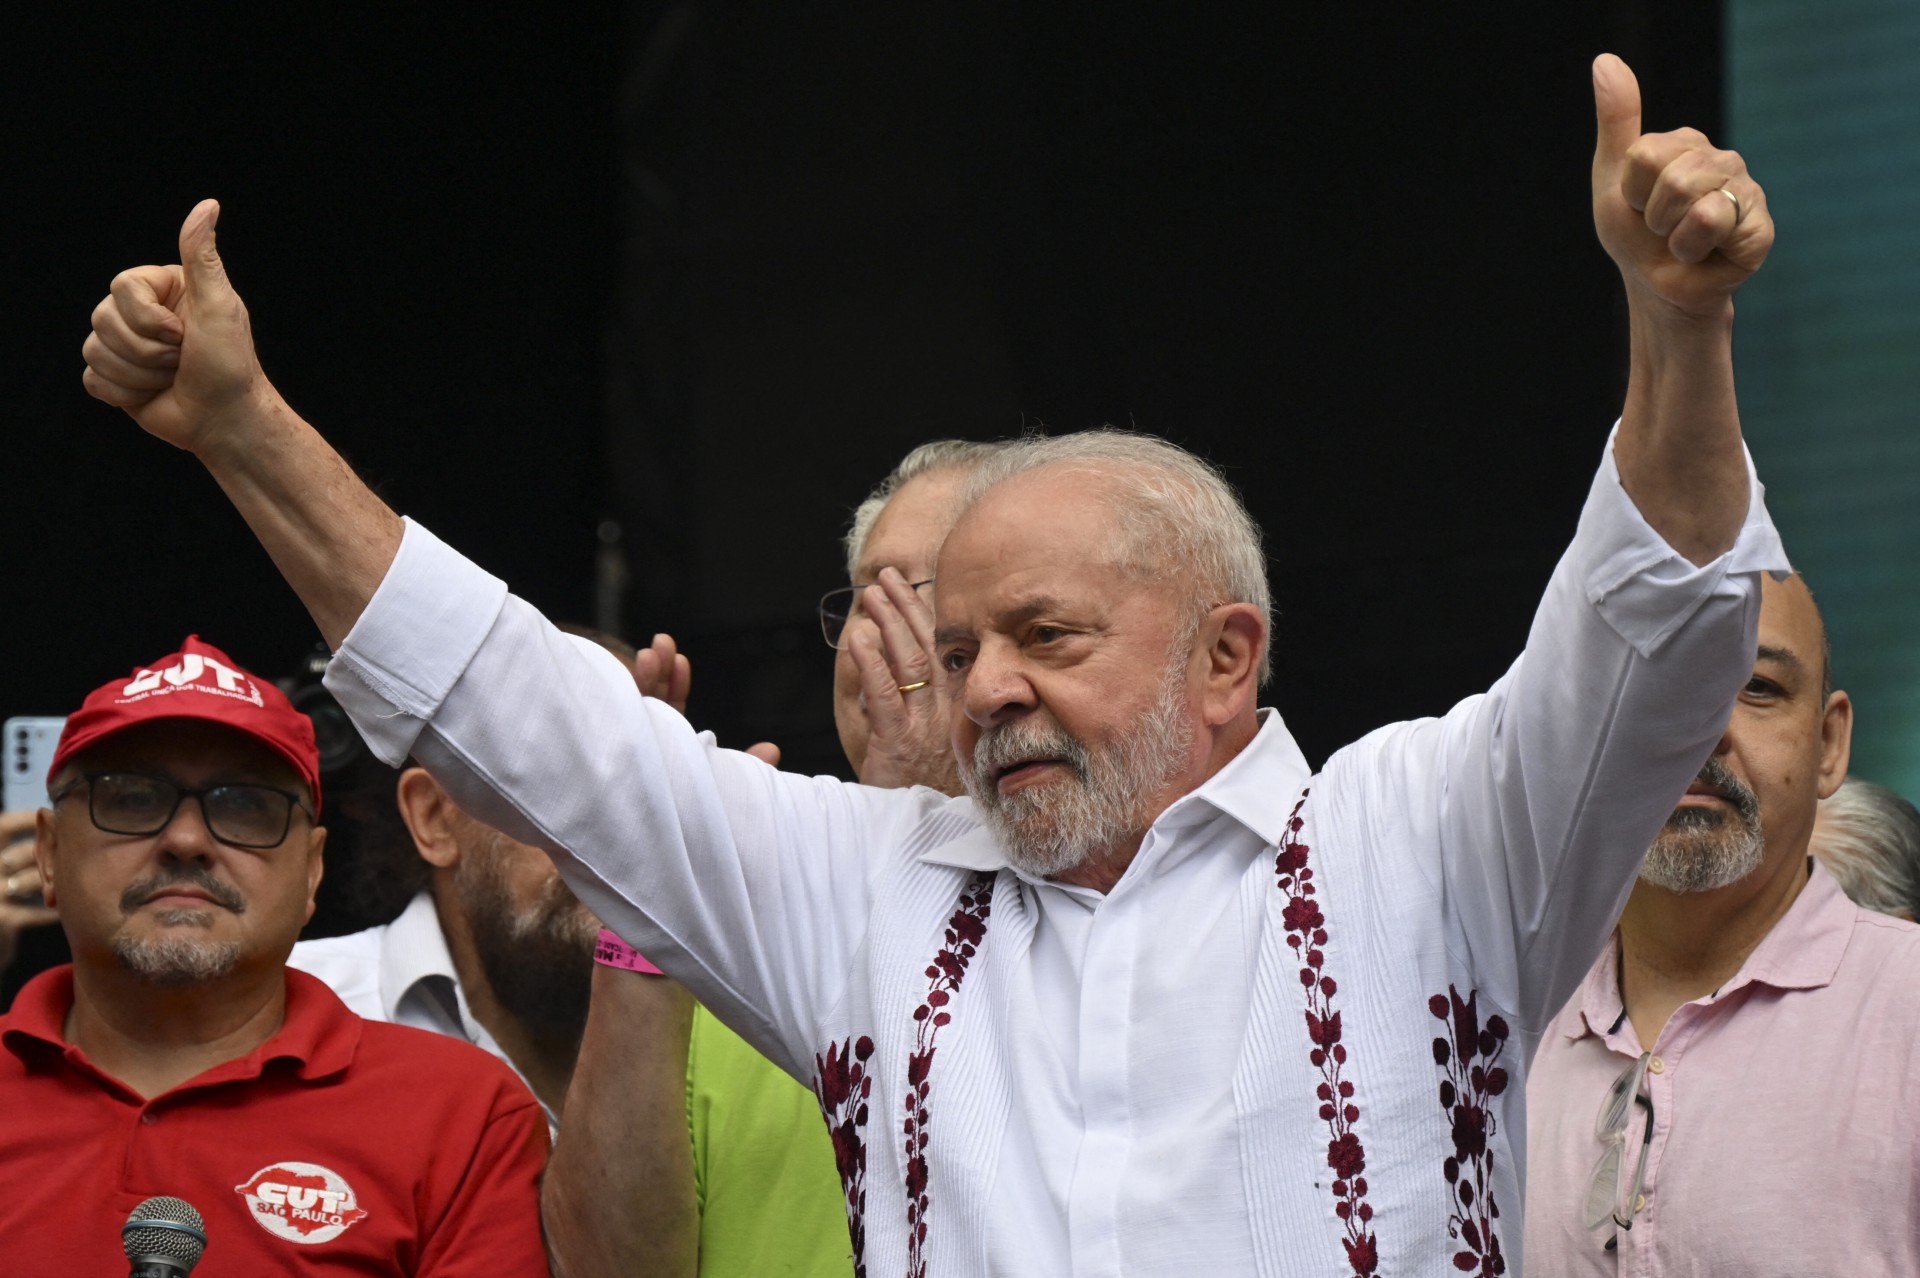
(337, 1146)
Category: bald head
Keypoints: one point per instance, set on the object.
(1788, 610)
(1750, 813)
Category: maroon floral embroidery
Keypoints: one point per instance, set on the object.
(1468, 1055)
(1346, 1155)
(965, 931)
(841, 1082)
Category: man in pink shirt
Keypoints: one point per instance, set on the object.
(1735, 1088)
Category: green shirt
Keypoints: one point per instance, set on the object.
(770, 1196)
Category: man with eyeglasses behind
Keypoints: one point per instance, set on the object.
(1731, 1089)
(178, 1057)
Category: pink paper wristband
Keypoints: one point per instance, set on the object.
(611, 951)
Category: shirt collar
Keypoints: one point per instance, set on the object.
(412, 950)
(317, 1034)
(1257, 788)
(1802, 951)
(1598, 998)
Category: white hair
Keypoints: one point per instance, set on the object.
(1869, 838)
(1177, 516)
(939, 454)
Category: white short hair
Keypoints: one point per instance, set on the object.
(1869, 838)
(940, 454)
(1177, 515)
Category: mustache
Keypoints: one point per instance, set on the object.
(1017, 742)
(1719, 777)
(222, 894)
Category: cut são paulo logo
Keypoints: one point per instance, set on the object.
(301, 1202)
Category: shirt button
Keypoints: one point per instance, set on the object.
(1657, 1065)
(1639, 1203)
(149, 1118)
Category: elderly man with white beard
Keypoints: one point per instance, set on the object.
(1730, 1090)
(1167, 1015)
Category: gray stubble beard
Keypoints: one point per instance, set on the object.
(1700, 849)
(176, 960)
(1054, 827)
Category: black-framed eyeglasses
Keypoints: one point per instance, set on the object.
(241, 814)
(836, 606)
(1611, 1197)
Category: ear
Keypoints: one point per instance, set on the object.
(46, 851)
(316, 864)
(1233, 637)
(1836, 742)
(431, 816)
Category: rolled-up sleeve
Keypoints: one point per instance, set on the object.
(1644, 588)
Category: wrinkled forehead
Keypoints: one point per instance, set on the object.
(1051, 530)
(909, 529)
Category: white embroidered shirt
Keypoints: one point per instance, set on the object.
(1292, 1039)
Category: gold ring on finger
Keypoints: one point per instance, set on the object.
(1738, 212)
(914, 687)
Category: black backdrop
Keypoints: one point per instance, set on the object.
(705, 271)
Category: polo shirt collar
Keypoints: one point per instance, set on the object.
(318, 1034)
(1601, 1007)
(39, 1011)
(1257, 788)
(1801, 952)
(1804, 949)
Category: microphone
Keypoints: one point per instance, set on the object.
(163, 1238)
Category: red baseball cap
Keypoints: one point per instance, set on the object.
(197, 682)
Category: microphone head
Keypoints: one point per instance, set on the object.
(165, 1229)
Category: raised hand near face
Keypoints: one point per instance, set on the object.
(1682, 218)
(903, 690)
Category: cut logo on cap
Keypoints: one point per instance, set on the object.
(301, 1202)
(191, 674)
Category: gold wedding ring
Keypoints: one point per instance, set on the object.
(914, 687)
(1738, 212)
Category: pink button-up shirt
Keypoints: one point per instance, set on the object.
(1786, 1106)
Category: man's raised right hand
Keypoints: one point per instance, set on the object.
(173, 347)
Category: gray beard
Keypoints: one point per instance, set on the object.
(177, 958)
(1051, 828)
(174, 960)
(1701, 849)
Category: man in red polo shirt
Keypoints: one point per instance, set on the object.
(178, 1055)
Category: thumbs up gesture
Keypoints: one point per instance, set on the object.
(173, 347)
(1680, 217)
